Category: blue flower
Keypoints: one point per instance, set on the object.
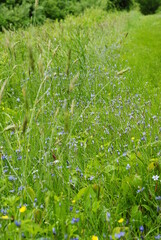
(158, 237)
(91, 178)
(18, 224)
(141, 228)
(140, 190)
(4, 157)
(128, 166)
(71, 208)
(19, 157)
(108, 215)
(75, 220)
(11, 178)
(158, 198)
(119, 235)
(23, 235)
(20, 188)
(54, 231)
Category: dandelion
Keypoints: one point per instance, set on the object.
(155, 177)
(121, 220)
(94, 237)
(22, 209)
(5, 217)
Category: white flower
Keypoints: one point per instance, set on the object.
(155, 178)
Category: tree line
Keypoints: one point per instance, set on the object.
(22, 13)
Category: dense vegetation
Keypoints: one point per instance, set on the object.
(149, 6)
(80, 129)
(22, 13)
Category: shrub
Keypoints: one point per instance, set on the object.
(55, 9)
(149, 6)
(121, 4)
(19, 13)
(14, 17)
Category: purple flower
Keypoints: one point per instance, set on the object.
(158, 198)
(54, 231)
(75, 220)
(108, 215)
(91, 178)
(18, 224)
(140, 190)
(158, 237)
(11, 178)
(20, 188)
(141, 228)
(23, 235)
(71, 208)
(119, 235)
(4, 157)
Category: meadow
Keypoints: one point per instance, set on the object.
(80, 128)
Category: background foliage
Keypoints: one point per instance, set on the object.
(149, 6)
(22, 13)
(17, 13)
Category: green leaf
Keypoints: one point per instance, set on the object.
(95, 206)
(81, 192)
(29, 191)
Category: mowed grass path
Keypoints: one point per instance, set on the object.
(143, 52)
(80, 130)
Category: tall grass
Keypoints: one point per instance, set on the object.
(80, 129)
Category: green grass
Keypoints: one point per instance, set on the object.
(80, 129)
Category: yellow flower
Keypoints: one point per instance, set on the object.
(5, 217)
(73, 201)
(121, 220)
(132, 139)
(94, 237)
(23, 209)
